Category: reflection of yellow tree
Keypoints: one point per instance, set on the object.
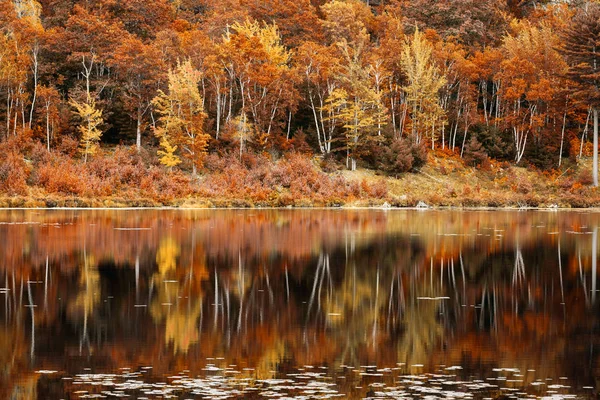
(25, 389)
(88, 296)
(89, 289)
(269, 360)
(421, 327)
(13, 365)
(353, 310)
(167, 254)
(181, 326)
(179, 298)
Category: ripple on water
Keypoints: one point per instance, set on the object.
(226, 382)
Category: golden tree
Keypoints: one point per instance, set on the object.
(180, 126)
(91, 119)
(258, 62)
(424, 82)
(357, 105)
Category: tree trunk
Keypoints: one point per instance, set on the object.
(138, 132)
(595, 166)
(48, 129)
(562, 137)
(218, 87)
(35, 83)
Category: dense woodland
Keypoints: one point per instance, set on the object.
(174, 98)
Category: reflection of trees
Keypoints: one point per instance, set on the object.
(178, 300)
(354, 289)
(14, 366)
(420, 327)
(87, 298)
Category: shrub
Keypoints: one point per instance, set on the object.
(585, 177)
(63, 175)
(475, 154)
(402, 155)
(13, 174)
(68, 146)
(495, 142)
(164, 186)
(397, 157)
(329, 164)
(522, 185)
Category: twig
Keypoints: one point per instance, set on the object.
(429, 176)
(567, 170)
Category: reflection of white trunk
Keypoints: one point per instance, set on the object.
(583, 279)
(562, 291)
(595, 154)
(481, 313)
(519, 269)
(46, 287)
(216, 301)
(84, 334)
(594, 262)
(31, 307)
(462, 271)
(137, 275)
(376, 310)
(315, 284)
(240, 289)
(271, 296)
(287, 284)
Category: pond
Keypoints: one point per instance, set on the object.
(153, 304)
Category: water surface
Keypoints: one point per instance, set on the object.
(298, 303)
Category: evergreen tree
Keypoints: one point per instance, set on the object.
(581, 46)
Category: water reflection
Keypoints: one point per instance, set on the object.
(307, 303)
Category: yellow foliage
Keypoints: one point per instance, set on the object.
(181, 327)
(424, 83)
(91, 119)
(89, 289)
(180, 126)
(166, 256)
(168, 158)
(267, 35)
(29, 9)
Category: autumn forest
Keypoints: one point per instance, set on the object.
(299, 103)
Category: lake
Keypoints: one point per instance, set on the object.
(298, 303)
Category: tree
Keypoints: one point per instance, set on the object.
(140, 68)
(529, 73)
(140, 17)
(297, 19)
(424, 82)
(355, 100)
(259, 64)
(167, 155)
(50, 99)
(182, 117)
(91, 119)
(319, 67)
(581, 46)
(478, 23)
(21, 31)
(356, 105)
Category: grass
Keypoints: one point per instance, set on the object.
(121, 177)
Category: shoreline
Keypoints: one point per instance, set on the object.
(441, 184)
(320, 208)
